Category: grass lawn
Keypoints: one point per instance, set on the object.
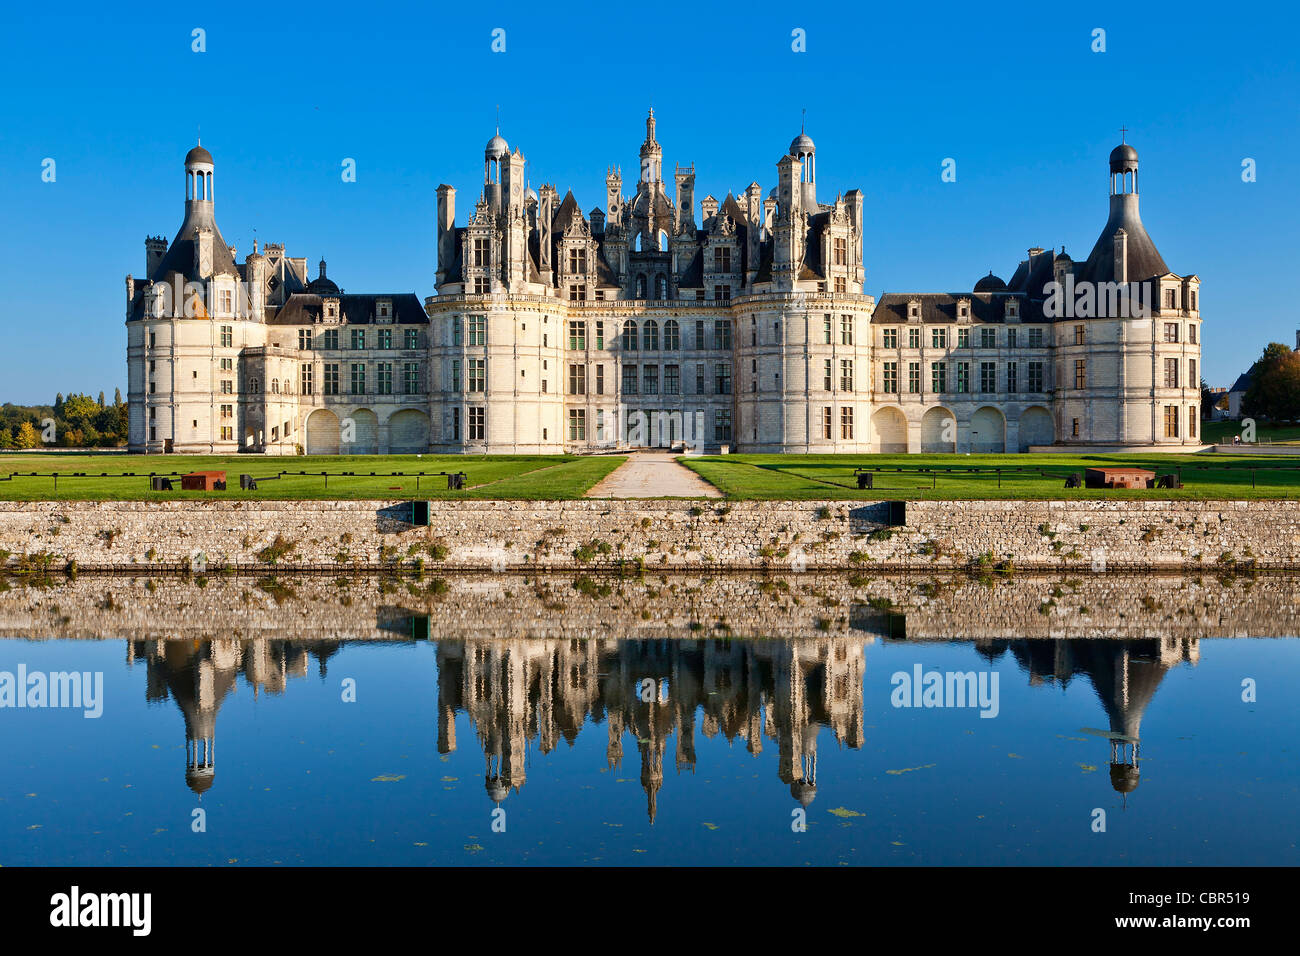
(796, 477)
(490, 476)
(1223, 432)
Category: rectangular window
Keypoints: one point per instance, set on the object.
(722, 259)
(722, 424)
(1035, 338)
(889, 374)
(227, 365)
(1036, 377)
(478, 330)
(846, 375)
(699, 335)
(827, 424)
(358, 338)
(411, 339)
(600, 425)
(456, 328)
(577, 424)
(722, 334)
(1191, 326)
(1192, 380)
(988, 338)
(1080, 331)
(227, 433)
(841, 284)
(826, 330)
(306, 373)
(455, 375)
(478, 375)
(331, 339)
(1171, 421)
(963, 338)
(384, 378)
(889, 338)
(963, 376)
(304, 339)
(1171, 373)
(225, 301)
(672, 379)
(650, 379)
(1080, 373)
(477, 423)
(699, 378)
(455, 424)
(828, 375)
(1191, 421)
(846, 423)
(577, 260)
(913, 338)
(1074, 428)
(411, 378)
(227, 411)
(227, 387)
(914, 377)
(385, 338)
(358, 378)
(227, 336)
(988, 377)
(1169, 298)
(841, 251)
(846, 330)
(939, 337)
(331, 378)
(722, 378)
(629, 379)
(577, 336)
(1012, 383)
(482, 253)
(939, 377)
(1011, 338)
(600, 335)
(577, 379)
(600, 380)
(721, 293)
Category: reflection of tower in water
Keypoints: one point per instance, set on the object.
(523, 691)
(198, 675)
(1124, 675)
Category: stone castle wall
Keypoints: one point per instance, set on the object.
(657, 535)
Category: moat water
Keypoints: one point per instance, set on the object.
(421, 744)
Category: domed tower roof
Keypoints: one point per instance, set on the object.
(802, 145)
(323, 285)
(1123, 158)
(497, 147)
(198, 155)
(990, 283)
(803, 791)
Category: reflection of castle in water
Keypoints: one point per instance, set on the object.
(1124, 674)
(530, 691)
(526, 692)
(199, 674)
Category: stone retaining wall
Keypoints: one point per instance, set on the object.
(656, 535)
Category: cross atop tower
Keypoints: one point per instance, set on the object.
(1123, 134)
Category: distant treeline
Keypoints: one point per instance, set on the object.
(78, 421)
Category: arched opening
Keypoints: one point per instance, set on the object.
(322, 433)
(629, 336)
(1036, 427)
(364, 433)
(938, 430)
(636, 242)
(408, 432)
(663, 241)
(988, 431)
(640, 287)
(890, 430)
(661, 286)
(650, 336)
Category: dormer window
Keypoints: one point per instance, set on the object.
(963, 309)
(914, 310)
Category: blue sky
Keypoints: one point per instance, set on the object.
(285, 94)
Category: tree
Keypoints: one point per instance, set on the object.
(79, 409)
(1207, 399)
(117, 396)
(1274, 391)
(101, 400)
(28, 436)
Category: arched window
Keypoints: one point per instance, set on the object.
(629, 336)
(663, 241)
(275, 386)
(636, 243)
(650, 336)
(672, 336)
(640, 287)
(661, 286)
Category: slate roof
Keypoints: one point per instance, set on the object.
(305, 308)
